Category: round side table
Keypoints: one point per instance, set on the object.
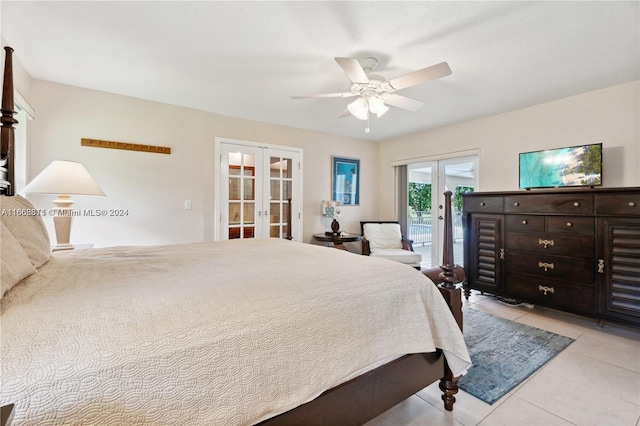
(337, 240)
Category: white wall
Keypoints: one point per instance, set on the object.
(610, 116)
(153, 187)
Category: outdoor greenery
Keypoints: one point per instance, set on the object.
(420, 197)
(457, 198)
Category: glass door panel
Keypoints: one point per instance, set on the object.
(427, 183)
(458, 176)
(256, 185)
(421, 213)
(240, 194)
(281, 173)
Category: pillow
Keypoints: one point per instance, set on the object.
(383, 235)
(26, 225)
(14, 262)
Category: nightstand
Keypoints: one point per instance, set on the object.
(337, 240)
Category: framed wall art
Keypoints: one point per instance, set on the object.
(346, 181)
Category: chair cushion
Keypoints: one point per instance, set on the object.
(383, 235)
(398, 255)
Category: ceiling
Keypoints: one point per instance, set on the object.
(246, 59)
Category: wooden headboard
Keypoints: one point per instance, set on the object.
(7, 133)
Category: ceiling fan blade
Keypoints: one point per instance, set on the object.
(403, 102)
(353, 69)
(326, 95)
(344, 114)
(421, 76)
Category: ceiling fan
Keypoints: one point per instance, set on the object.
(375, 94)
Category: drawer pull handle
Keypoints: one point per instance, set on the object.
(482, 204)
(632, 204)
(546, 266)
(601, 266)
(501, 254)
(524, 222)
(516, 204)
(569, 224)
(576, 204)
(546, 289)
(545, 243)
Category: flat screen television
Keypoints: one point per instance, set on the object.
(553, 168)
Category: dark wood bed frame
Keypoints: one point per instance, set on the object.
(352, 403)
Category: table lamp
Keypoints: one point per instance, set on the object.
(332, 209)
(63, 178)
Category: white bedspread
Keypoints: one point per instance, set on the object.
(224, 333)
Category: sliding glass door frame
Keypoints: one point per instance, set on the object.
(426, 227)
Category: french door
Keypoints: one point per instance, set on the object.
(427, 183)
(256, 184)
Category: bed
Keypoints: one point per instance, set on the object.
(232, 333)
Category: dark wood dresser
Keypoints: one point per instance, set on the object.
(576, 250)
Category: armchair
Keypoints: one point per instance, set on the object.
(384, 239)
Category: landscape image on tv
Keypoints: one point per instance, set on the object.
(574, 166)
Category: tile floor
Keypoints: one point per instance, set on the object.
(595, 381)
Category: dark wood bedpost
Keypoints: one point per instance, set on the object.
(7, 130)
(447, 276)
(6, 162)
(449, 383)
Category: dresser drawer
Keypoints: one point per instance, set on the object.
(483, 204)
(550, 244)
(562, 294)
(553, 267)
(550, 203)
(525, 223)
(618, 204)
(571, 225)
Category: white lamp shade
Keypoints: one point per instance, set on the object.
(359, 108)
(64, 177)
(377, 106)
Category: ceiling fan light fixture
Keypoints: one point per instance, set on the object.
(377, 106)
(359, 108)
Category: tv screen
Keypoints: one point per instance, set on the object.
(572, 166)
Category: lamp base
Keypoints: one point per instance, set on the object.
(335, 228)
(62, 223)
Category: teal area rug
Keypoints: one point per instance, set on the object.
(504, 353)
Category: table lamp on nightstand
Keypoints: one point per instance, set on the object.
(332, 209)
(63, 178)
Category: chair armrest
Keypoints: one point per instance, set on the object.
(366, 249)
(407, 244)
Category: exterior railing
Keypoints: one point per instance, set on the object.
(420, 228)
